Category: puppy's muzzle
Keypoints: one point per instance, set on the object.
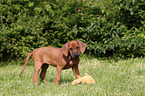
(76, 55)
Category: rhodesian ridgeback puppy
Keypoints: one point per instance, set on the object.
(62, 58)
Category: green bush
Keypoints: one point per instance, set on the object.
(108, 27)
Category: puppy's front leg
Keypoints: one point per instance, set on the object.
(58, 72)
(76, 71)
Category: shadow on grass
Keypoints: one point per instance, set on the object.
(52, 81)
(66, 80)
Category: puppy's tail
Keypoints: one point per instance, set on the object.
(26, 62)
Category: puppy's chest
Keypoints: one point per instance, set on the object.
(70, 64)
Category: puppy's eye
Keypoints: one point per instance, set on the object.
(70, 49)
(77, 47)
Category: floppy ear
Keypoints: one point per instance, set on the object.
(82, 46)
(65, 49)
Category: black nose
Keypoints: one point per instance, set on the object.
(76, 55)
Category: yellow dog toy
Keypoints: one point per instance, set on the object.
(85, 79)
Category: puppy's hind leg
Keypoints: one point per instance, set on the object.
(37, 68)
(43, 72)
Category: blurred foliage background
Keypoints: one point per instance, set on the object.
(108, 27)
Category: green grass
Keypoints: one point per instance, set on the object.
(116, 78)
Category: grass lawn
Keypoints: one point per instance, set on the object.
(112, 77)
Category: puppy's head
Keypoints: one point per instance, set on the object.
(74, 48)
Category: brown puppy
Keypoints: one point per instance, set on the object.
(63, 58)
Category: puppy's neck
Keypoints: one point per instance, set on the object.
(69, 58)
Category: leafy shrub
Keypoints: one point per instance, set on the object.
(108, 27)
(24, 34)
